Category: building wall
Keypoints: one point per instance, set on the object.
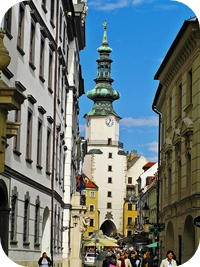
(178, 99)
(52, 99)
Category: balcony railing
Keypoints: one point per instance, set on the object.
(105, 142)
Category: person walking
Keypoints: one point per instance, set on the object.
(169, 261)
(44, 261)
(123, 261)
(134, 259)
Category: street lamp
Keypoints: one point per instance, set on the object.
(75, 220)
(154, 228)
(145, 212)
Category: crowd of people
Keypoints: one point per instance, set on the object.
(131, 258)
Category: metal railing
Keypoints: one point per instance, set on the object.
(105, 142)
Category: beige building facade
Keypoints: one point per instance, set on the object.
(177, 102)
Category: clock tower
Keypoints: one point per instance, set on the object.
(105, 163)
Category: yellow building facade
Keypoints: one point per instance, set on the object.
(92, 207)
(177, 102)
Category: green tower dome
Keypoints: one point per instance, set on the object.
(103, 94)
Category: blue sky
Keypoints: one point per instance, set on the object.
(140, 33)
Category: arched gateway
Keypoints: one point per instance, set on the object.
(108, 228)
(4, 216)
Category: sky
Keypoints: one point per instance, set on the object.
(140, 32)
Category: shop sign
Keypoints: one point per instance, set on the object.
(197, 221)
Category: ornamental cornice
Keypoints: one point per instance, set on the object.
(183, 55)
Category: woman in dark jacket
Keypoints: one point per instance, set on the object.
(44, 261)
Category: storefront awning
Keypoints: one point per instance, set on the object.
(152, 245)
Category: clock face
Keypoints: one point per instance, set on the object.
(109, 121)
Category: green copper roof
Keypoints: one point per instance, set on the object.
(103, 94)
(95, 151)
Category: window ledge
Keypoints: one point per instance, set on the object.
(29, 160)
(21, 51)
(17, 152)
(42, 78)
(13, 242)
(33, 67)
(38, 166)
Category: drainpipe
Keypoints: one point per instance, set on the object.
(54, 136)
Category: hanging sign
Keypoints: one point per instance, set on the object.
(197, 221)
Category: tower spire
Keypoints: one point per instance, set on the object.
(103, 94)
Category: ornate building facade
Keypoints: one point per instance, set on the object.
(44, 39)
(177, 103)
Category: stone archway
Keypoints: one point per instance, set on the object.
(188, 239)
(169, 237)
(108, 228)
(46, 231)
(4, 216)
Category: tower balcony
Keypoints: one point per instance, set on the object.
(105, 143)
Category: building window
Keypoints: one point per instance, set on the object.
(48, 146)
(129, 220)
(109, 194)
(64, 36)
(60, 26)
(39, 143)
(16, 138)
(129, 206)
(50, 70)
(170, 111)
(55, 227)
(129, 192)
(110, 155)
(44, 6)
(8, 22)
(42, 43)
(32, 44)
(60, 163)
(129, 233)
(37, 221)
(179, 98)
(13, 228)
(20, 37)
(109, 141)
(91, 207)
(110, 180)
(129, 180)
(29, 135)
(109, 205)
(52, 11)
(190, 87)
(109, 168)
(26, 219)
(92, 194)
(91, 222)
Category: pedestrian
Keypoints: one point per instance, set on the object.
(44, 261)
(112, 260)
(149, 259)
(123, 261)
(106, 261)
(134, 259)
(169, 261)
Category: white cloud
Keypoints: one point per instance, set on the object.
(153, 146)
(139, 122)
(110, 5)
(82, 129)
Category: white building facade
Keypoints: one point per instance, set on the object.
(44, 39)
